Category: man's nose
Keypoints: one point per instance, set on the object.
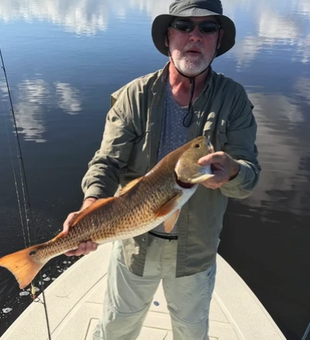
(196, 35)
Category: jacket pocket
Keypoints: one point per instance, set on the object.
(216, 134)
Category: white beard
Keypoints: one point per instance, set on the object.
(189, 66)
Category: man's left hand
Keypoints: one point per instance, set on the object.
(223, 167)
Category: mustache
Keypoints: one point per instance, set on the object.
(195, 47)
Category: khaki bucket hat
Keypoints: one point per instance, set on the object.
(193, 8)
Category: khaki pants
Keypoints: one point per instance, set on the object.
(128, 296)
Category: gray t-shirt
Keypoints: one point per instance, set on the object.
(173, 135)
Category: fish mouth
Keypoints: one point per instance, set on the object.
(183, 184)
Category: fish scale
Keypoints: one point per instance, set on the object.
(141, 206)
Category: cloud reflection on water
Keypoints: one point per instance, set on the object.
(281, 151)
(69, 100)
(83, 17)
(273, 34)
(275, 22)
(28, 109)
(79, 16)
(302, 88)
(276, 26)
(34, 97)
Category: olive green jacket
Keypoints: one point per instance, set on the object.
(129, 149)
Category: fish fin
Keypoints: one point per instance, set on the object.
(171, 221)
(170, 205)
(201, 178)
(130, 185)
(22, 265)
(96, 205)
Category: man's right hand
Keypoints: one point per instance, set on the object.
(84, 248)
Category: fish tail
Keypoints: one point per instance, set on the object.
(23, 265)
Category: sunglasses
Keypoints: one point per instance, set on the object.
(188, 26)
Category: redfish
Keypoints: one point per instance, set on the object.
(140, 206)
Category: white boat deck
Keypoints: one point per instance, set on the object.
(74, 303)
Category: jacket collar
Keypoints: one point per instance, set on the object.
(163, 76)
(161, 79)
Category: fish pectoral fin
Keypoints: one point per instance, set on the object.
(129, 186)
(170, 205)
(171, 221)
(201, 178)
(96, 205)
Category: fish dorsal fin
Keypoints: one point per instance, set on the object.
(130, 185)
(98, 204)
(170, 205)
(171, 221)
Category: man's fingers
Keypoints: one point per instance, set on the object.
(216, 157)
(205, 160)
(69, 220)
(94, 246)
(84, 248)
(213, 184)
(70, 253)
(89, 247)
(220, 177)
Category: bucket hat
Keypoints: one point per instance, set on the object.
(193, 8)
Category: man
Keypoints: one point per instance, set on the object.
(152, 116)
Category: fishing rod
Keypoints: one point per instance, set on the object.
(305, 337)
(25, 192)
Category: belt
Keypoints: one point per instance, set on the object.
(171, 237)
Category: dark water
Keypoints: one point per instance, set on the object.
(64, 58)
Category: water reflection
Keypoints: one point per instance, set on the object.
(87, 14)
(79, 16)
(152, 8)
(51, 74)
(287, 31)
(69, 98)
(34, 97)
(279, 108)
(233, 8)
(282, 153)
(3, 90)
(303, 7)
(83, 17)
(302, 88)
(275, 22)
(270, 26)
(246, 50)
(274, 28)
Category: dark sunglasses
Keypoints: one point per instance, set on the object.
(188, 26)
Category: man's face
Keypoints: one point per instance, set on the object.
(193, 51)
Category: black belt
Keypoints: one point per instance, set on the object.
(168, 237)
